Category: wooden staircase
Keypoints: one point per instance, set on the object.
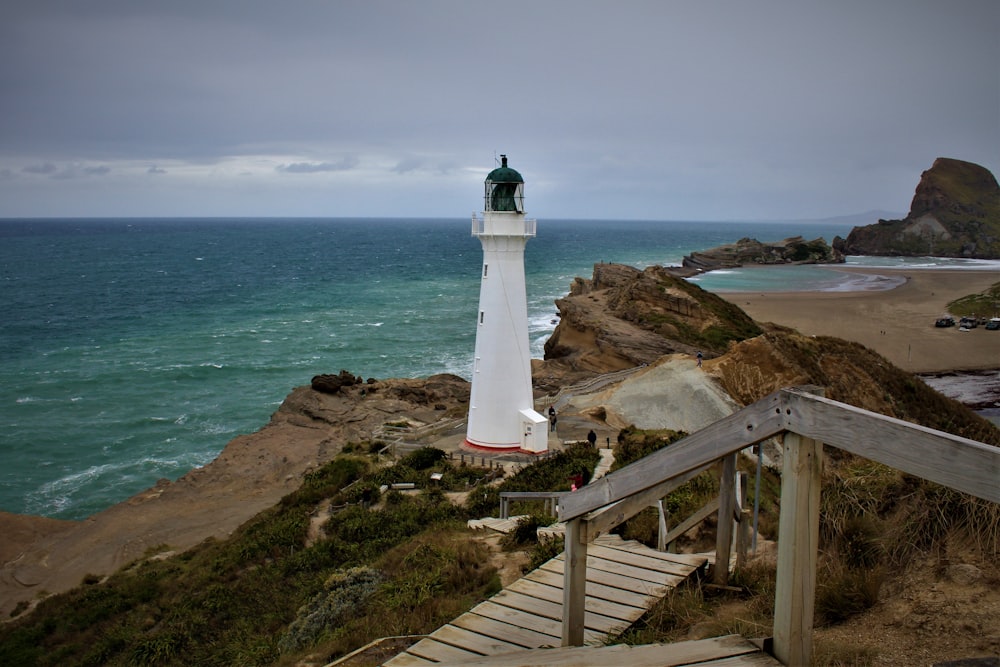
(624, 579)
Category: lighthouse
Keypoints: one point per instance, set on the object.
(502, 416)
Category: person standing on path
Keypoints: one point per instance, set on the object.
(592, 438)
(699, 358)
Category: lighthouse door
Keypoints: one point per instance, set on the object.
(526, 435)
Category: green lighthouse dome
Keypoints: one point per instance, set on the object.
(504, 174)
(504, 189)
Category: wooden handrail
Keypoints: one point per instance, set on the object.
(949, 460)
(806, 422)
(754, 423)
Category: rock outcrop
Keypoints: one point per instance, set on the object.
(625, 317)
(955, 212)
(793, 250)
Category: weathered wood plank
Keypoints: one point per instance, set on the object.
(701, 652)
(749, 660)
(639, 573)
(572, 627)
(950, 460)
(646, 562)
(693, 520)
(724, 524)
(694, 560)
(473, 641)
(531, 622)
(554, 611)
(439, 652)
(595, 590)
(798, 544)
(613, 580)
(514, 634)
(609, 608)
(739, 430)
(407, 660)
(601, 521)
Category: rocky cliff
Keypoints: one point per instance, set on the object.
(747, 251)
(624, 317)
(955, 212)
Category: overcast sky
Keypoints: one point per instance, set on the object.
(680, 110)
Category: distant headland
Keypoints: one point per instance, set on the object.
(955, 212)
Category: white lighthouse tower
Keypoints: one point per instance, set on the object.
(502, 417)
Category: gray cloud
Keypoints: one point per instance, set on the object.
(46, 169)
(408, 164)
(639, 109)
(343, 164)
(66, 172)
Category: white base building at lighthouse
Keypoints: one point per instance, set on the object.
(502, 416)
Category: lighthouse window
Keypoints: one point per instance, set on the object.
(481, 315)
(486, 268)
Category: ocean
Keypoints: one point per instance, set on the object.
(134, 349)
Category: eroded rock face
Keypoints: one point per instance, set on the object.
(625, 317)
(746, 251)
(955, 212)
(331, 384)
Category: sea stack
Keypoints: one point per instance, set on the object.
(502, 417)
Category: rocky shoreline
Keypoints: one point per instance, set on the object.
(747, 251)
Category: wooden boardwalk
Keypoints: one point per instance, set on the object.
(728, 651)
(624, 579)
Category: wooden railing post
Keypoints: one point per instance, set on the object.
(798, 541)
(743, 527)
(724, 529)
(574, 583)
(661, 533)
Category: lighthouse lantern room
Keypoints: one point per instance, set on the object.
(502, 416)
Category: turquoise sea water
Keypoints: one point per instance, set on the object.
(134, 350)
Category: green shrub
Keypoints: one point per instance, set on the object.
(423, 458)
(344, 594)
(526, 531)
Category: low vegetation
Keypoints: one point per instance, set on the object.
(398, 564)
(346, 559)
(384, 563)
(983, 304)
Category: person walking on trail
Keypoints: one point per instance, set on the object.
(699, 358)
(592, 438)
(552, 420)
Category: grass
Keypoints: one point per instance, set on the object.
(385, 565)
(263, 595)
(983, 304)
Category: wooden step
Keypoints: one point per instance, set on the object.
(623, 581)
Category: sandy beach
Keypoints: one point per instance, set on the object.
(897, 323)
